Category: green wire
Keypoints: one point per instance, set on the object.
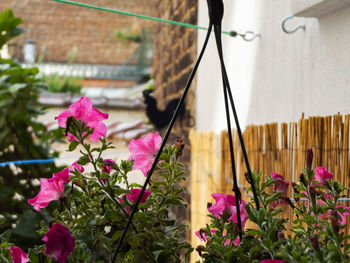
(138, 16)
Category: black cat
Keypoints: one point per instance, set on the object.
(161, 118)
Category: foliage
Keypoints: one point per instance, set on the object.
(8, 26)
(96, 207)
(58, 84)
(317, 227)
(126, 37)
(21, 137)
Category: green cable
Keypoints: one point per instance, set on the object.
(140, 16)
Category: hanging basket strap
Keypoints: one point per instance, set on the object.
(170, 127)
(216, 10)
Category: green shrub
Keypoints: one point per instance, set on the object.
(21, 138)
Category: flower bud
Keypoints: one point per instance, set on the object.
(295, 191)
(312, 192)
(235, 228)
(281, 235)
(68, 124)
(247, 208)
(302, 179)
(314, 243)
(333, 218)
(179, 146)
(199, 249)
(309, 158)
(79, 184)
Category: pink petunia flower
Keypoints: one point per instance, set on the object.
(227, 242)
(280, 186)
(82, 110)
(50, 190)
(272, 261)
(322, 175)
(133, 196)
(60, 242)
(62, 176)
(227, 204)
(143, 151)
(18, 256)
(107, 165)
(342, 216)
(237, 241)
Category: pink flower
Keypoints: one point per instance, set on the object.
(272, 261)
(107, 168)
(76, 166)
(227, 242)
(107, 165)
(82, 110)
(62, 176)
(50, 190)
(342, 216)
(280, 186)
(133, 196)
(237, 241)
(203, 236)
(322, 175)
(227, 204)
(143, 151)
(60, 242)
(18, 256)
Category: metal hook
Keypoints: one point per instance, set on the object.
(245, 35)
(293, 30)
(252, 35)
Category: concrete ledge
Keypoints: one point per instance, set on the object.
(317, 8)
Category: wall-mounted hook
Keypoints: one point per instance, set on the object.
(247, 36)
(293, 30)
(250, 36)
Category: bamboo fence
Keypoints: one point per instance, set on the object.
(271, 148)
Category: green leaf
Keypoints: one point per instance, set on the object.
(254, 232)
(5, 236)
(134, 240)
(84, 160)
(8, 26)
(16, 87)
(116, 235)
(120, 191)
(33, 257)
(96, 150)
(2, 220)
(72, 146)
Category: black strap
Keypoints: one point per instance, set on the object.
(218, 5)
(172, 122)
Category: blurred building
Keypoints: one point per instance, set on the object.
(112, 54)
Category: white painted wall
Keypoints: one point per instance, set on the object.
(279, 76)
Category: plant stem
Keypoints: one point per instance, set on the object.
(93, 161)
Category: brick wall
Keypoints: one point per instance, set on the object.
(176, 52)
(59, 28)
